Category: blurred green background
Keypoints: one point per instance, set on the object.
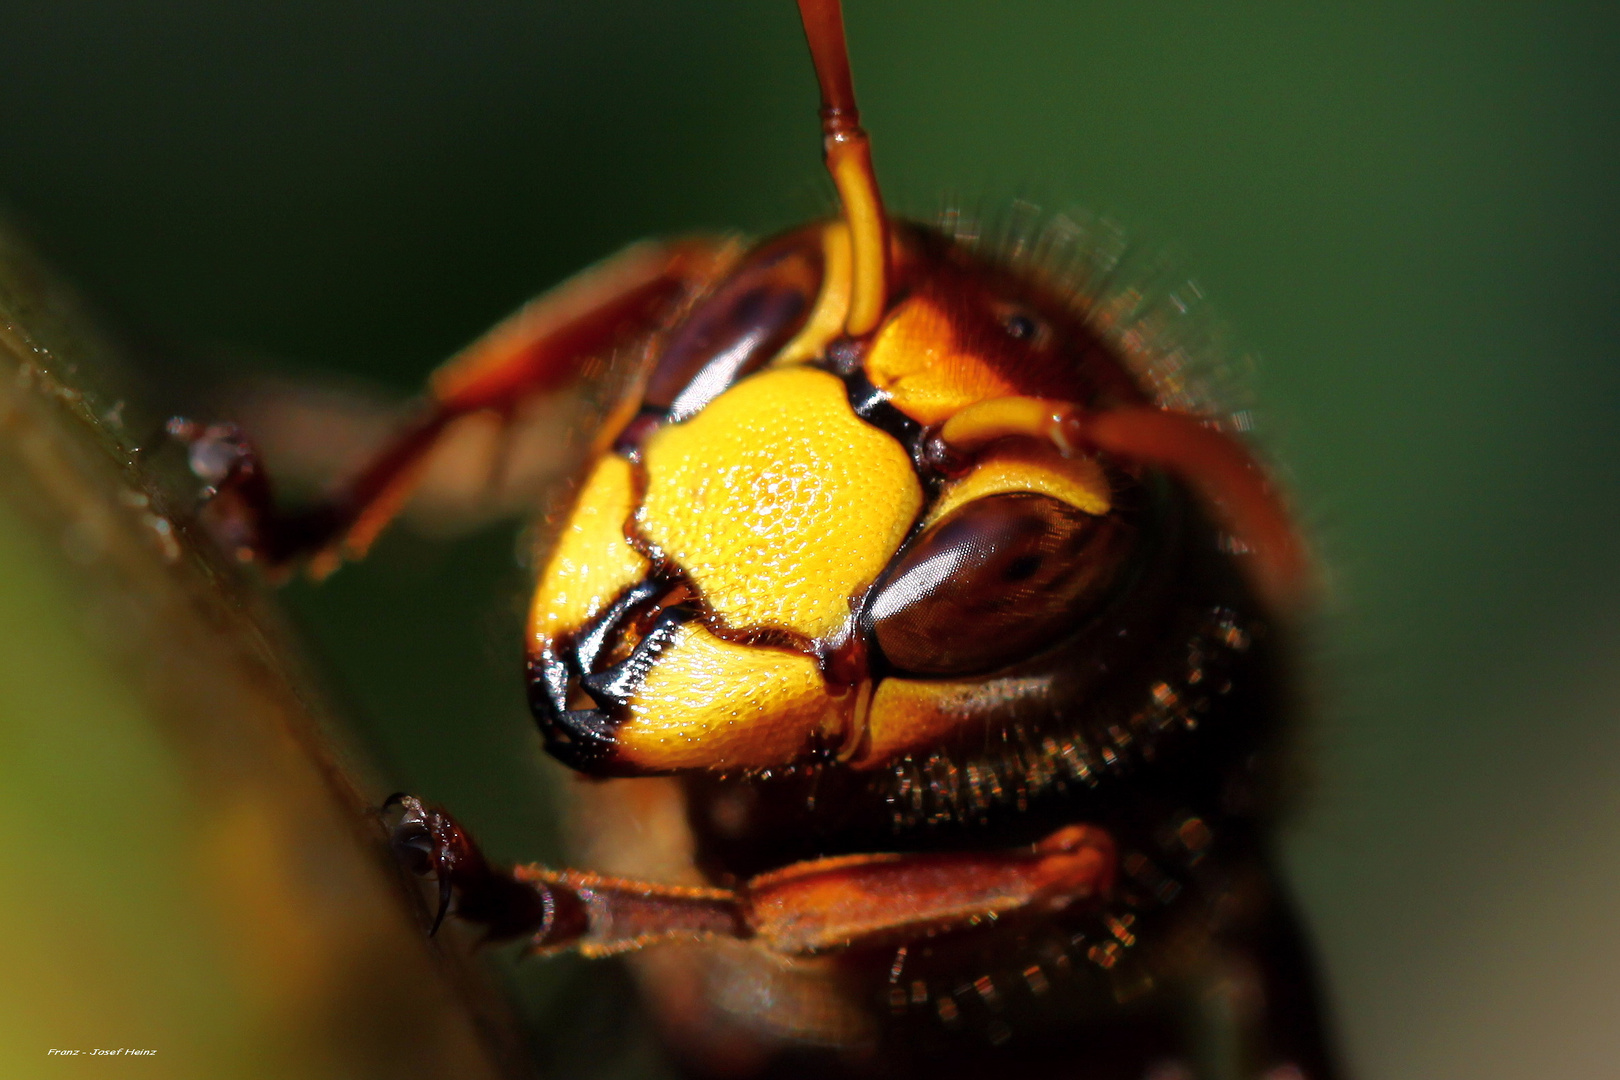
(1407, 211)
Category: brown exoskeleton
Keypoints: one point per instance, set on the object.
(926, 644)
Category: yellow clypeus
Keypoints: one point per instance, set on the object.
(710, 704)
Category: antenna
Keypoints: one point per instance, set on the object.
(848, 154)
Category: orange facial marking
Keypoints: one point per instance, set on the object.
(592, 562)
(919, 357)
(709, 704)
(912, 714)
(779, 502)
(1080, 482)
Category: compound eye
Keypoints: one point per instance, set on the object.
(736, 330)
(994, 582)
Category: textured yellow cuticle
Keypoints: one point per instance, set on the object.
(778, 502)
(592, 562)
(710, 704)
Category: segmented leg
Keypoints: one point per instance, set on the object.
(819, 906)
(539, 350)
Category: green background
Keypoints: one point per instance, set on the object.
(1406, 210)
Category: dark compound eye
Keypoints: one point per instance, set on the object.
(994, 582)
(737, 329)
(1024, 567)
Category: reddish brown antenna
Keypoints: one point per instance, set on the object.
(849, 159)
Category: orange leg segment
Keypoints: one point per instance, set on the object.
(886, 900)
(824, 905)
(536, 351)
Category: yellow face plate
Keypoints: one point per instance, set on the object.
(709, 704)
(777, 505)
(593, 562)
(779, 502)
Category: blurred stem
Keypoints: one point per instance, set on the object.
(195, 870)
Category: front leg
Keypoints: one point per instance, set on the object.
(540, 350)
(817, 906)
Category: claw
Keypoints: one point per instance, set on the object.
(218, 454)
(423, 845)
(235, 500)
(444, 904)
(430, 844)
(412, 836)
